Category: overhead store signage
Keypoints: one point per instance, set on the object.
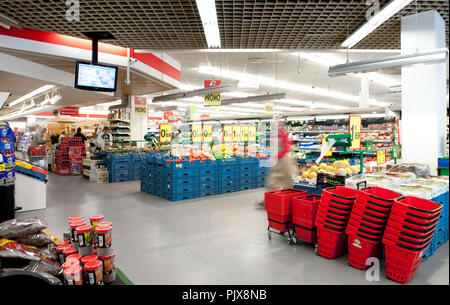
(236, 133)
(140, 105)
(207, 133)
(212, 99)
(69, 111)
(165, 133)
(252, 134)
(381, 157)
(355, 131)
(196, 133)
(269, 107)
(227, 133)
(244, 133)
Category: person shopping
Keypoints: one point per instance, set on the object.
(80, 135)
(104, 139)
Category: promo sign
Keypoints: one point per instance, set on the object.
(207, 133)
(140, 105)
(69, 111)
(355, 131)
(196, 133)
(227, 133)
(244, 133)
(252, 134)
(212, 99)
(165, 133)
(236, 133)
(381, 157)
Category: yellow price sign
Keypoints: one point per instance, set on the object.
(196, 133)
(207, 133)
(165, 133)
(269, 107)
(330, 152)
(244, 133)
(355, 131)
(236, 133)
(252, 134)
(2, 168)
(227, 133)
(381, 157)
(212, 99)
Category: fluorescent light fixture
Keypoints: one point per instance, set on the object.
(256, 98)
(271, 82)
(387, 12)
(208, 14)
(436, 56)
(31, 94)
(8, 22)
(203, 91)
(55, 99)
(3, 97)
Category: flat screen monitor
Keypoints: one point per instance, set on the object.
(95, 77)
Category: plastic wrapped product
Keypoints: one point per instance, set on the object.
(84, 235)
(109, 269)
(48, 266)
(73, 232)
(104, 233)
(94, 271)
(52, 279)
(38, 239)
(60, 250)
(73, 275)
(14, 250)
(15, 228)
(420, 170)
(48, 251)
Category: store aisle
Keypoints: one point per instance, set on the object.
(214, 240)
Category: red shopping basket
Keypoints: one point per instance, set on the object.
(360, 249)
(416, 235)
(367, 214)
(378, 195)
(412, 224)
(407, 239)
(418, 206)
(374, 212)
(308, 235)
(414, 217)
(408, 229)
(330, 243)
(341, 194)
(280, 223)
(304, 210)
(364, 226)
(366, 221)
(372, 204)
(402, 262)
(369, 234)
(280, 201)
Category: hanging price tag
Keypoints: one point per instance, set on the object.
(381, 157)
(207, 133)
(252, 134)
(244, 133)
(227, 133)
(330, 152)
(236, 133)
(165, 133)
(196, 133)
(355, 131)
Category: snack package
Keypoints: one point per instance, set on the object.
(15, 228)
(48, 266)
(14, 250)
(421, 170)
(38, 239)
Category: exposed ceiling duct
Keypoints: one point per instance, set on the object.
(256, 98)
(197, 92)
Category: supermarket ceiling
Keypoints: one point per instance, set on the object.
(176, 24)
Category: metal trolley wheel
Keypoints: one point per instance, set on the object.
(316, 249)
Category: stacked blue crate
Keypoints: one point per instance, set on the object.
(227, 171)
(118, 166)
(208, 182)
(247, 173)
(262, 173)
(147, 174)
(135, 165)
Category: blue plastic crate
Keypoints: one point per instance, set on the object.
(208, 187)
(117, 165)
(113, 158)
(209, 171)
(443, 162)
(242, 187)
(311, 190)
(227, 189)
(119, 179)
(428, 252)
(204, 193)
(181, 196)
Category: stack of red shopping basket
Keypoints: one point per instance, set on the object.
(332, 217)
(408, 234)
(304, 211)
(366, 225)
(278, 205)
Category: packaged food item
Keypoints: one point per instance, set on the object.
(48, 266)
(14, 250)
(68, 252)
(104, 234)
(76, 217)
(15, 228)
(88, 258)
(420, 170)
(95, 220)
(75, 257)
(94, 272)
(84, 235)
(70, 263)
(38, 239)
(73, 232)
(109, 269)
(60, 253)
(73, 275)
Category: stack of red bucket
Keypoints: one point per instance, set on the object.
(304, 211)
(408, 234)
(331, 220)
(278, 205)
(366, 225)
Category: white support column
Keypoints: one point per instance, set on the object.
(364, 92)
(138, 125)
(423, 91)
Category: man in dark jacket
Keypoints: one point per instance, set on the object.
(80, 135)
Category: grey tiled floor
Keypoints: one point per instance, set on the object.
(215, 240)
